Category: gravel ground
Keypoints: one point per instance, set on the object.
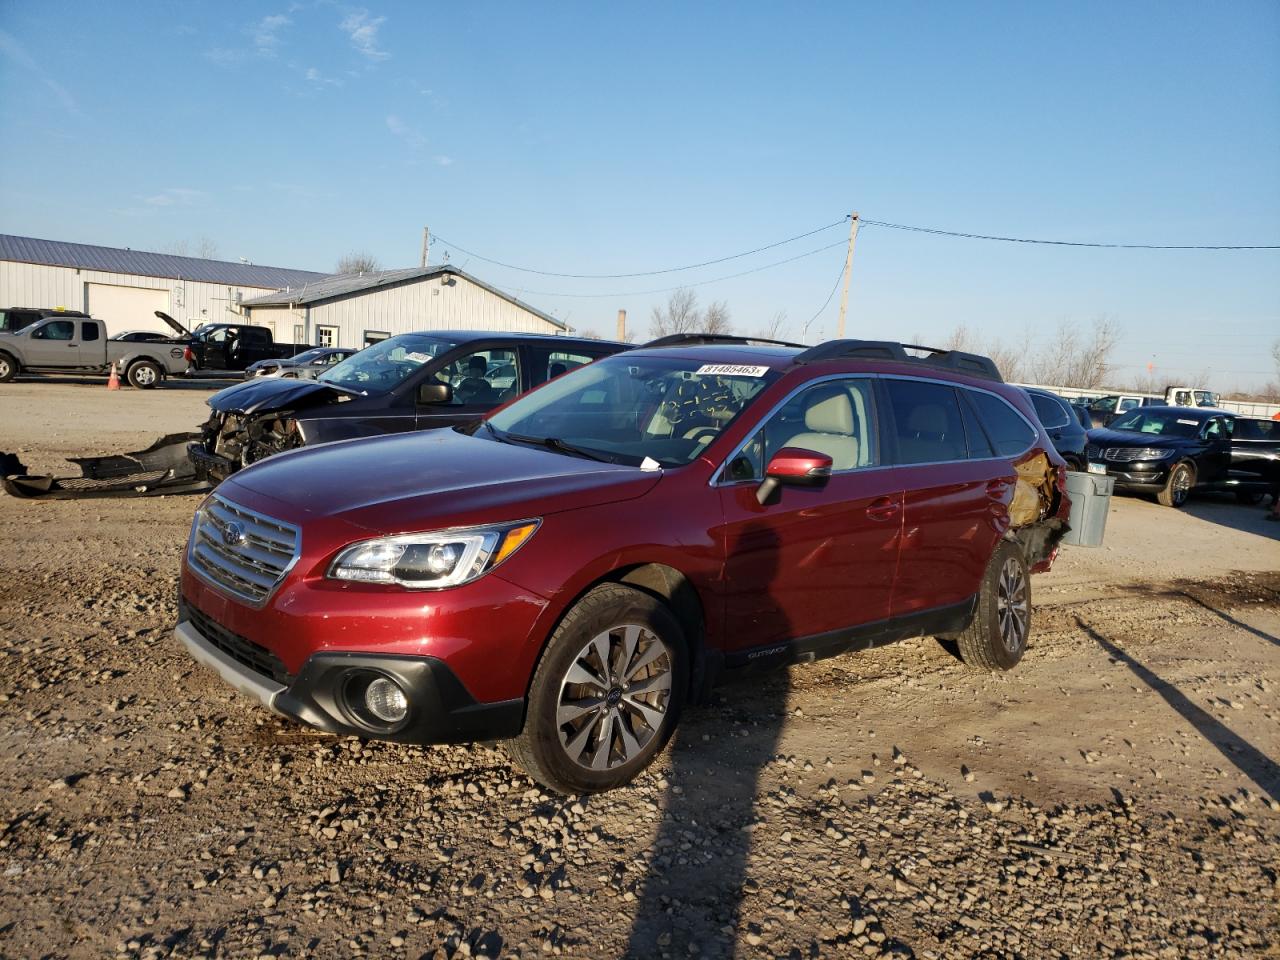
(1117, 795)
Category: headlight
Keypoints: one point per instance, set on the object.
(430, 561)
(1138, 453)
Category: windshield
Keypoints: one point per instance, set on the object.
(386, 364)
(630, 408)
(306, 356)
(1105, 404)
(1164, 423)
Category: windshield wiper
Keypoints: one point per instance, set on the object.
(555, 443)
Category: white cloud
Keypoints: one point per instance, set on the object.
(363, 31)
(13, 50)
(174, 197)
(266, 33)
(410, 135)
(313, 75)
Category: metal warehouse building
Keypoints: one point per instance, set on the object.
(359, 309)
(125, 287)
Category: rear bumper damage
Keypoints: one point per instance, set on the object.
(162, 468)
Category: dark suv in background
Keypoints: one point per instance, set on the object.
(1063, 424)
(414, 381)
(569, 572)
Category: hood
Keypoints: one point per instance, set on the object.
(263, 394)
(177, 328)
(1131, 438)
(440, 478)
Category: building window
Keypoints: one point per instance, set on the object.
(326, 336)
(373, 336)
(299, 333)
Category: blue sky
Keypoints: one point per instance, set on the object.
(602, 138)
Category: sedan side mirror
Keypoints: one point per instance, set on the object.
(794, 467)
(435, 393)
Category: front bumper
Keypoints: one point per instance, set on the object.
(210, 465)
(440, 708)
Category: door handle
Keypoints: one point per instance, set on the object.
(884, 508)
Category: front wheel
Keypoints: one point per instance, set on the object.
(1178, 487)
(996, 638)
(606, 694)
(8, 368)
(143, 374)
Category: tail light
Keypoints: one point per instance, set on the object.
(187, 355)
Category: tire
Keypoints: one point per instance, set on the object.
(569, 757)
(1178, 487)
(9, 368)
(996, 638)
(1249, 498)
(143, 374)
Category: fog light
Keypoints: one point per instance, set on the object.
(386, 700)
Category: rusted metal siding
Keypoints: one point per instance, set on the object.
(438, 303)
(191, 302)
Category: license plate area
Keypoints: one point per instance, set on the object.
(1098, 468)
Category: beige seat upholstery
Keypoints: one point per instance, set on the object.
(829, 427)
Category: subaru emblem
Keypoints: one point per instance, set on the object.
(233, 534)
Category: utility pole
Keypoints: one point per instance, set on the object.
(426, 242)
(848, 269)
(622, 325)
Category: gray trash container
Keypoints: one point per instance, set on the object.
(1090, 495)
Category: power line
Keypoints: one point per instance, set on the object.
(643, 273)
(826, 302)
(698, 283)
(1070, 243)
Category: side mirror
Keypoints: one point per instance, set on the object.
(435, 393)
(794, 467)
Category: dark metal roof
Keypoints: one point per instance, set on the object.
(339, 286)
(84, 256)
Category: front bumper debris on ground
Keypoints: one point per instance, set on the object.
(161, 468)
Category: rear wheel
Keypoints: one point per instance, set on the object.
(606, 695)
(996, 638)
(8, 368)
(143, 374)
(1178, 487)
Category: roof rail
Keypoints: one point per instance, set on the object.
(957, 360)
(694, 339)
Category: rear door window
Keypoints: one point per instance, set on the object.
(1009, 432)
(979, 443)
(88, 332)
(1049, 411)
(928, 426)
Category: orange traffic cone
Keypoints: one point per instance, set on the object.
(113, 381)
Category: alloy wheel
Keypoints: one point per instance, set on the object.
(1012, 606)
(144, 376)
(1181, 485)
(4, 368)
(614, 697)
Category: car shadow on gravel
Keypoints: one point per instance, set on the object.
(1243, 755)
(689, 904)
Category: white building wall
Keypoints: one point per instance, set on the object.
(430, 304)
(190, 302)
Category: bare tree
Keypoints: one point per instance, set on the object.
(715, 319)
(773, 329)
(358, 262)
(1091, 363)
(961, 339)
(679, 315)
(206, 248)
(1275, 355)
(176, 248)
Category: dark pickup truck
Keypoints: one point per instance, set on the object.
(1170, 451)
(233, 346)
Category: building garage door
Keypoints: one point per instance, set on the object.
(127, 308)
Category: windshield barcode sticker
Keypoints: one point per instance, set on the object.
(730, 370)
(1190, 423)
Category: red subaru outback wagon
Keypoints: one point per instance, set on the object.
(570, 572)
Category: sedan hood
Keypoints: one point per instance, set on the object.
(263, 394)
(1131, 438)
(422, 481)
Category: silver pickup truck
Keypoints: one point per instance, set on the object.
(80, 345)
